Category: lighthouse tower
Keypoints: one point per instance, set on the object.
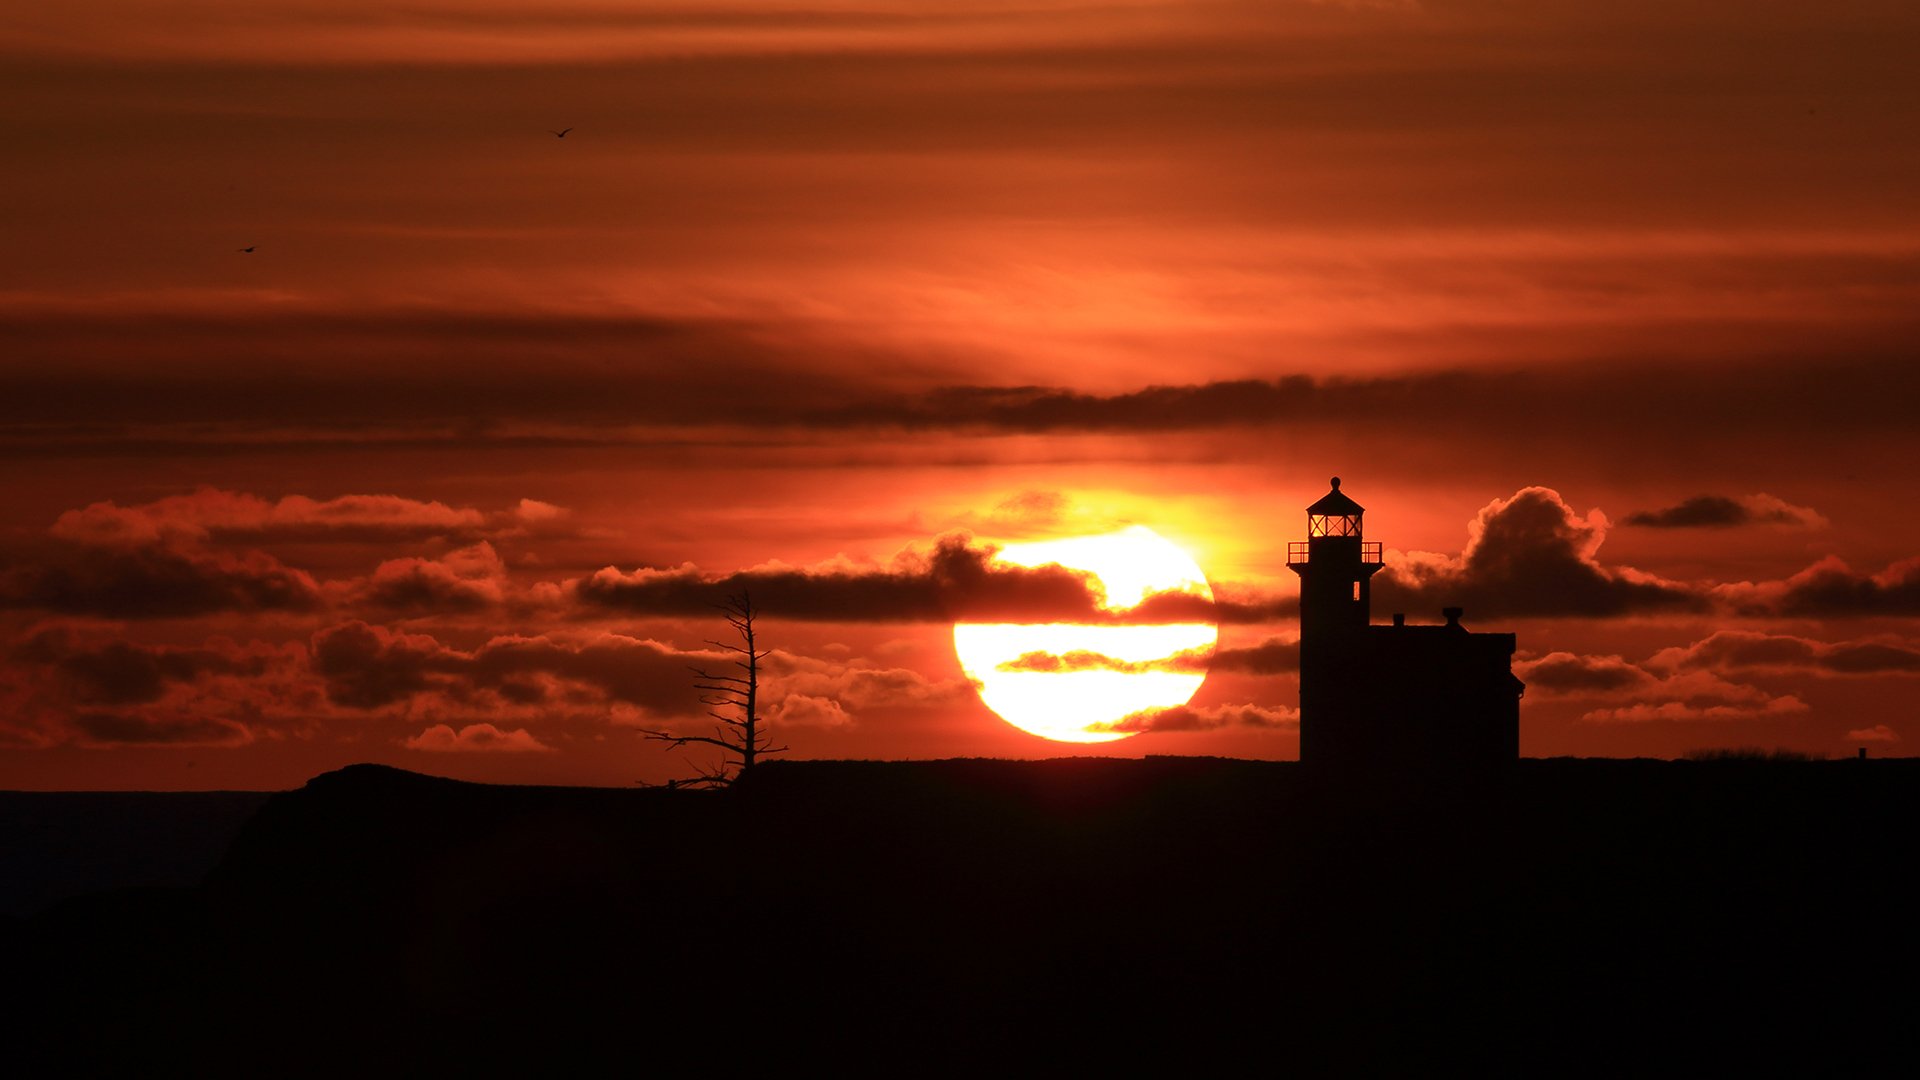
(1336, 566)
(1394, 696)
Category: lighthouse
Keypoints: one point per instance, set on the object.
(1396, 695)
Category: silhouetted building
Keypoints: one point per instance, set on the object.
(1398, 694)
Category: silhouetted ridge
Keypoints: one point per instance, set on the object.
(352, 823)
(372, 777)
(1561, 916)
(55, 845)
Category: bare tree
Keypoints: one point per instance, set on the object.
(731, 699)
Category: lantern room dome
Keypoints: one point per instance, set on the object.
(1334, 515)
(1335, 504)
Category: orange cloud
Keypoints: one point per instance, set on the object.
(1723, 512)
(1530, 554)
(1828, 588)
(1195, 718)
(210, 512)
(158, 582)
(1753, 650)
(442, 738)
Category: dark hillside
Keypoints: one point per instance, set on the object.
(1566, 916)
(57, 844)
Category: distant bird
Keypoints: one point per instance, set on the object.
(561, 134)
(248, 250)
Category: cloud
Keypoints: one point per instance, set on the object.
(1529, 555)
(1029, 510)
(1231, 603)
(162, 559)
(1876, 733)
(355, 379)
(1274, 656)
(957, 579)
(1830, 588)
(85, 684)
(856, 685)
(793, 382)
(628, 680)
(1698, 681)
(210, 514)
(535, 512)
(1444, 403)
(158, 582)
(159, 728)
(1086, 660)
(120, 672)
(808, 691)
(1209, 718)
(456, 35)
(1692, 712)
(805, 710)
(1647, 696)
(1568, 673)
(466, 580)
(368, 667)
(441, 738)
(1749, 650)
(650, 675)
(1721, 512)
(622, 680)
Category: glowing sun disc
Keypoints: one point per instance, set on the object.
(1070, 681)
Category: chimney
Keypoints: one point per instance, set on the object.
(1453, 616)
(1399, 618)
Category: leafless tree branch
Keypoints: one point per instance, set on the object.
(740, 737)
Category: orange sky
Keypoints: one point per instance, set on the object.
(811, 284)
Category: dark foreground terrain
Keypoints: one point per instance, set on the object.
(1567, 916)
(57, 844)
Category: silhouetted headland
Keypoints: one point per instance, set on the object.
(1564, 915)
(59, 844)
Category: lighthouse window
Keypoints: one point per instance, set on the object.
(1356, 592)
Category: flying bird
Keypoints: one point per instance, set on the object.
(248, 250)
(561, 134)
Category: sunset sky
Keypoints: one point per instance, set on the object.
(1606, 311)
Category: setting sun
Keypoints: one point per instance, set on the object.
(1076, 682)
